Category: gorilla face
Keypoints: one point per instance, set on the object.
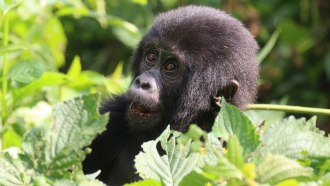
(156, 88)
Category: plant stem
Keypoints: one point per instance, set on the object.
(287, 108)
(4, 85)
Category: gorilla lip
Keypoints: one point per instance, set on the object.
(141, 111)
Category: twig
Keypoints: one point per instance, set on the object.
(287, 108)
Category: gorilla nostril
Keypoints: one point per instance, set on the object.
(145, 86)
(137, 81)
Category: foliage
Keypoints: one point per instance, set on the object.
(52, 155)
(270, 157)
(32, 49)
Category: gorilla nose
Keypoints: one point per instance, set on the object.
(145, 85)
(145, 82)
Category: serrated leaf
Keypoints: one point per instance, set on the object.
(231, 121)
(264, 117)
(84, 182)
(295, 138)
(76, 123)
(11, 171)
(53, 154)
(34, 146)
(169, 168)
(276, 168)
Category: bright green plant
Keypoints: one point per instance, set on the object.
(52, 154)
(32, 50)
(288, 152)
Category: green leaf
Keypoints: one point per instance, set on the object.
(80, 182)
(194, 178)
(47, 79)
(11, 139)
(222, 170)
(118, 72)
(126, 32)
(25, 72)
(54, 37)
(276, 168)
(140, 2)
(11, 171)
(147, 182)
(295, 138)
(73, 11)
(290, 182)
(86, 79)
(235, 152)
(117, 86)
(264, 117)
(231, 121)
(76, 124)
(75, 68)
(169, 168)
(11, 48)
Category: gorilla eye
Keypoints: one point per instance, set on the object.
(151, 57)
(170, 66)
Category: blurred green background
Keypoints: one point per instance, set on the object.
(297, 69)
(53, 50)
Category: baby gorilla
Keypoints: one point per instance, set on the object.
(191, 57)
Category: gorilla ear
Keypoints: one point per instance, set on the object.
(228, 92)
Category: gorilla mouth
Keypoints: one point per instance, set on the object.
(141, 110)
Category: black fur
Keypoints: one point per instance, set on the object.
(211, 49)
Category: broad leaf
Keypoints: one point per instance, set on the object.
(232, 121)
(295, 138)
(276, 168)
(58, 151)
(75, 125)
(12, 171)
(169, 168)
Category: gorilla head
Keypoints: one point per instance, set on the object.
(190, 58)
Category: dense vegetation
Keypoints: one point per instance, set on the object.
(265, 154)
(52, 51)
